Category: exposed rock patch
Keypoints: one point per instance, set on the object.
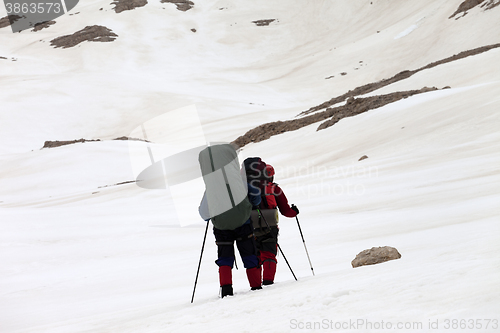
(8, 20)
(3, 58)
(122, 5)
(469, 4)
(354, 106)
(95, 33)
(375, 255)
(182, 5)
(261, 23)
(465, 6)
(361, 90)
(42, 25)
(364, 157)
(54, 144)
(491, 4)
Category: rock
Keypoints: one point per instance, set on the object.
(122, 5)
(364, 157)
(42, 25)
(182, 5)
(468, 5)
(261, 23)
(95, 33)
(375, 255)
(8, 20)
(54, 144)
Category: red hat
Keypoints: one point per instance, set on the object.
(269, 171)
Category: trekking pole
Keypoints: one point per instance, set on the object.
(303, 241)
(199, 264)
(279, 247)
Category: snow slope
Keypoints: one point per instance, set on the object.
(80, 253)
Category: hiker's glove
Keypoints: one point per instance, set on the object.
(295, 209)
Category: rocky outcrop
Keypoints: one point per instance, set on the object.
(354, 106)
(465, 6)
(8, 20)
(375, 255)
(367, 88)
(469, 4)
(122, 5)
(42, 25)
(95, 33)
(54, 144)
(261, 23)
(182, 5)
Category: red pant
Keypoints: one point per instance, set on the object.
(268, 260)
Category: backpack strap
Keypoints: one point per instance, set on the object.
(268, 196)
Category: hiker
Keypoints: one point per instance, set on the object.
(231, 222)
(265, 224)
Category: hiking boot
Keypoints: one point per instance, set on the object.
(267, 282)
(226, 290)
(256, 288)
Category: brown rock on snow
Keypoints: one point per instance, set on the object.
(375, 255)
(261, 23)
(367, 88)
(330, 116)
(7, 20)
(54, 144)
(465, 6)
(182, 5)
(122, 5)
(95, 33)
(42, 25)
(469, 4)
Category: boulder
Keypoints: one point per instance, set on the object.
(375, 255)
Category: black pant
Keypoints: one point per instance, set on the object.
(267, 239)
(245, 243)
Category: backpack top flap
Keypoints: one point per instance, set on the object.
(226, 190)
(253, 167)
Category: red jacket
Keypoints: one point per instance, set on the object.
(276, 197)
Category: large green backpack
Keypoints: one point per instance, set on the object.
(226, 190)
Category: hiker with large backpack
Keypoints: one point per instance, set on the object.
(228, 202)
(265, 216)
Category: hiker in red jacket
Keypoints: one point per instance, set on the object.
(266, 223)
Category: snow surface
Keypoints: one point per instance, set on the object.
(82, 254)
